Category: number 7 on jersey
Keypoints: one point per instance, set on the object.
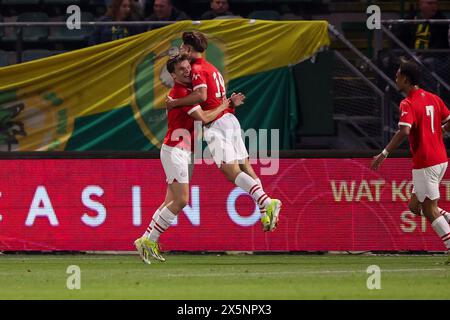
(430, 113)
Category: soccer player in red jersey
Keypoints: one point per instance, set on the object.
(423, 117)
(176, 152)
(223, 135)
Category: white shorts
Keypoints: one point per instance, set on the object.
(426, 181)
(177, 164)
(224, 140)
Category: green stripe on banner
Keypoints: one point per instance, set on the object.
(270, 103)
(109, 131)
(7, 96)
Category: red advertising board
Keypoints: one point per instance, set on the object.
(105, 204)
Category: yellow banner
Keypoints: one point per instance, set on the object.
(54, 91)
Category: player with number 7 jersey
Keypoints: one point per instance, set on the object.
(423, 118)
(424, 113)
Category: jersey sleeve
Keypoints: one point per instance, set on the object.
(190, 109)
(406, 115)
(445, 113)
(199, 77)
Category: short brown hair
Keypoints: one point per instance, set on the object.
(172, 62)
(410, 70)
(195, 39)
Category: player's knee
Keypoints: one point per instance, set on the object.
(414, 208)
(182, 201)
(229, 172)
(243, 166)
(232, 177)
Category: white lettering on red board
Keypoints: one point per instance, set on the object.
(42, 207)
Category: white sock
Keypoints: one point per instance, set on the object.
(440, 225)
(249, 184)
(262, 209)
(161, 223)
(152, 223)
(445, 214)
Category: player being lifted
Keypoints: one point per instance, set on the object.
(421, 116)
(223, 135)
(176, 153)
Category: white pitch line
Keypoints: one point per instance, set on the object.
(176, 275)
(298, 272)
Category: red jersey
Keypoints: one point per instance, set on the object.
(179, 118)
(205, 75)
(425, 113)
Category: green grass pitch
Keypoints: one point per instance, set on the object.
(224, 277)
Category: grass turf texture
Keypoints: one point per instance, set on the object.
(224, 277)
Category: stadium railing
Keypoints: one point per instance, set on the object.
(435, 63)
(377, 132)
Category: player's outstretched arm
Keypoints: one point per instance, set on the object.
(236, 99)
(199, 95)
(208, 116)
(395, 142)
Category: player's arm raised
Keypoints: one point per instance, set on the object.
(208, 116)
(199, 95)
(236, 99)
(395, 142)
